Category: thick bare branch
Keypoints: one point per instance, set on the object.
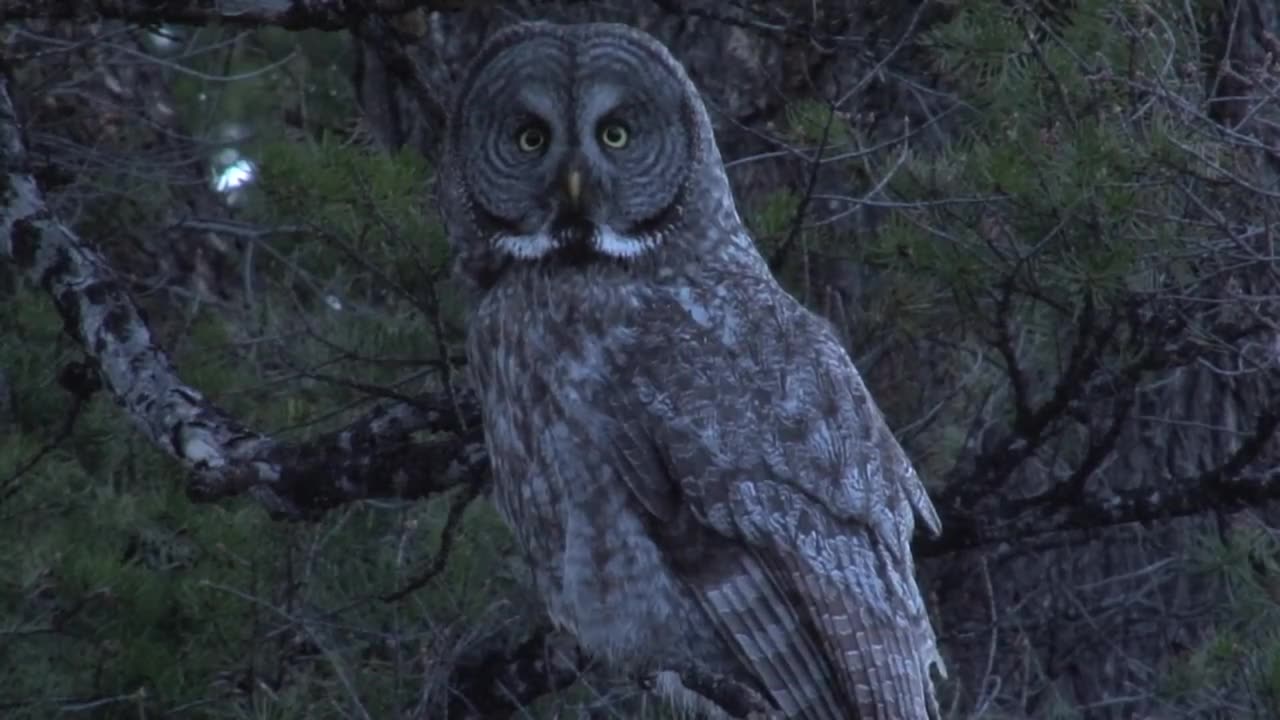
(372, 458)
(1233, 485)
(103, 318)
(290, 14)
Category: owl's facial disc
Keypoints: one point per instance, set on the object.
(587, 143)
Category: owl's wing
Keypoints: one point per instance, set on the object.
(778, 452)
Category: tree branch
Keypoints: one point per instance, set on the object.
(1230, 486)
(374, 457)
(289, 14)
(500, 683)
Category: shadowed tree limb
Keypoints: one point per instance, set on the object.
(1105, 508)
(501, 683)
(289, 14)
(1234, 485)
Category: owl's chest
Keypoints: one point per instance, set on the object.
(543, 360)
(551, 379)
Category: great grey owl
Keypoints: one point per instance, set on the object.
(686, 455)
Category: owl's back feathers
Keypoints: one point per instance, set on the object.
(763, 424)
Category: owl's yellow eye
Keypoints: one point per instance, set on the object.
(614, 135)
(531, 139)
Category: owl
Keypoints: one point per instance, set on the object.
(686, 455)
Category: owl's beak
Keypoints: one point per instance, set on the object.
(573, 187)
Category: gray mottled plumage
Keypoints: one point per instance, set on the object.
(687, 456)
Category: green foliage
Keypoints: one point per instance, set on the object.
(810, 121)
(120, 595)
(275, 70)
(355, 273)
(773, 219)
(117, 589)
(373, 203)
(1240, 655)
(1055, 145)
(1062, 190)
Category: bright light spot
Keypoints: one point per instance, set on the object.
(232, 174)
(333, 301)
(235, 176)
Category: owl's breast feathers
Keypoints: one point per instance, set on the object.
(769, 483)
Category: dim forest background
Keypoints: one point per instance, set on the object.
(240, 476)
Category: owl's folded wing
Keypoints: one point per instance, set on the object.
(810, 503)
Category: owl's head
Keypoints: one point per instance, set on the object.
(586, 141)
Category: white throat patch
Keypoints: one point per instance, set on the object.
(605, 240)
(608, 242)
(526, 247)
